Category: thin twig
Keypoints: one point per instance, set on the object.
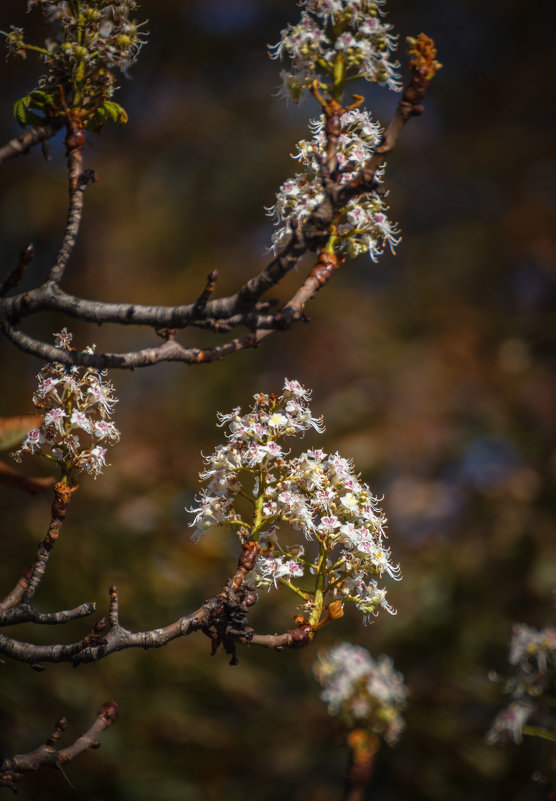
(222, 618)
(25, 258)
(23, 143)
(60, 506)
(77, 182)
(14, 597)
(25, 613)
(49, 755)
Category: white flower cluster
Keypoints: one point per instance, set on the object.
(77, 404)
(102, 34)
(533, 655)
(363, 226)
(367, 692)
(329, 30)
(315, 493)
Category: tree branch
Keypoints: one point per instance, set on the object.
(77, 180)
(23, 143)
(14, 597)
(244, 308)
(60, 506)
(49, 755)
(222, 618)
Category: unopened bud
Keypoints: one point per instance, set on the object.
(336, 610)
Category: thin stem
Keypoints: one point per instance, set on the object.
(339, 73)
(77, 187)
(538, 731)
(303, 595)
(25, 141)
(43, 51)
(48, 755)
(60, 506)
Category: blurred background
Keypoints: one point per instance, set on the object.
(434, 370)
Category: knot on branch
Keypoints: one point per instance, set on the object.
(246, 562)
(325, 266)
(228, 622)
(301, 636)
(109, 712)
(86, 177)
(62, 498)
(75, 137)
(166, 334)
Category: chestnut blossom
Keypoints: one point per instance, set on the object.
(77, 403)
(367, 693)
(533, 659)
(102, 35)
(363, 225)
(91, 41)
(315, 498)
(508, 724)
(330, 30)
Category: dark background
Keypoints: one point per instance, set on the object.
(434, 370)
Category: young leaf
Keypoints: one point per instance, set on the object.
(20, 109)
(115, 112)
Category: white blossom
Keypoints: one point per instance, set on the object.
(76, 403)
(327, 27)
(367, 692)
(533, 660)
(363, 225)
(316, 496)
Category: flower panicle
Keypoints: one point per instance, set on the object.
(91, 42)
(532, 658)
(367, 693)
(328, 31)
(77, 404)
(317, 495)
(362, 225)
(336, 42)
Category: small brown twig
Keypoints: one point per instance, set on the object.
(49, 755)
(77, 182)
(31, 137)
(60, 506)
(423, 67)
(25, 258)
(206, 294)
(14, 597)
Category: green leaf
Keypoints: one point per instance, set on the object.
(20, 109)
(115, 112)
(24, 108)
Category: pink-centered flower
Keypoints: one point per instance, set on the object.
(76, 403)
(314, 498)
